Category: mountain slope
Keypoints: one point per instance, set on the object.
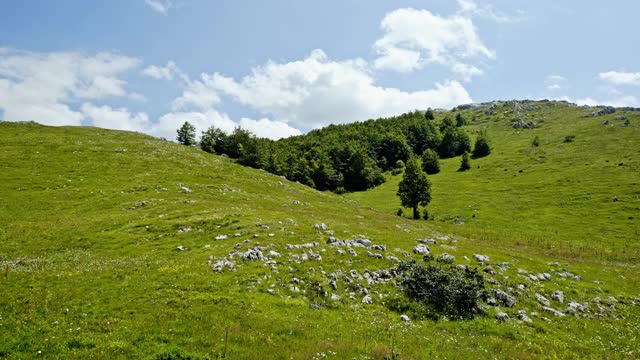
(578, 198)
(108, 240)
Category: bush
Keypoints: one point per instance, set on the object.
(451, 291)
(481, 148)
(535, 142)
(465, 163)
(400, 212)
(430, 162)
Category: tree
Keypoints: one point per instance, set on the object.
(393, 147)
(428, 115)
(465, 163)
(187, 134)
(430, 162)
(212, 140)
(415, 189)
(481, 148)
(460, 121)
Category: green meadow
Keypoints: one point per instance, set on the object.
(109, 239)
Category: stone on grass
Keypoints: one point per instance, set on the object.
(502, 317)
(404, 318)
(367, 299)
(507, 299)
(481, 258)
(553, 311)
(221, 237)
(543, 300)
(445, 258)
(421, 249)
(522, 316)
(558, 296)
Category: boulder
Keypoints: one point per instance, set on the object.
(481, 258)
(558, 296)
(502, 317)
(506, 299)
(421, 249)
(543, 300)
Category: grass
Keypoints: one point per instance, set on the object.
(90, 222)
(557, 198)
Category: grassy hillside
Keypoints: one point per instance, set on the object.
(108, 243)
(556, 198)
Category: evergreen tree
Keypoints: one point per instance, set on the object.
(430, 162)
(187, 134)
(415, 189)
(481, 148)
(428, 115)
(460, 121)
(465, 163)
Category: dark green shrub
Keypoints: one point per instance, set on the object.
(450, 291)
(430, 162)
(465, 163)
(535, 142)
(481, 148)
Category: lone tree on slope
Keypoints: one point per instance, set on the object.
(187, 134)
(415, 189)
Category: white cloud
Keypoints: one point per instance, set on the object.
(429, 38)
(159, 6)
(620, 78)
(269, 129)
(168, 124)
(119, 119)
(316, 91)
(167, 72)
(556, 83)
(40, 86)
(466, 71)
(400, 60)
(620, 101)
(470, 8)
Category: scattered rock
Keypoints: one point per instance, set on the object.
(315, 307)
(181, 248)
(481, 258)
(221, 264)
(321, 226)
(273, 254)
(502, 317)
(543, 300)
(553, 311)
(522, 316)
(507, 299)
(186, 189)
(335, 297)
(544, 277)
(445, 258)
(558, 296)
(404, 318)
(574, 307)
(221, 237)
(367, 299)
(421, 249)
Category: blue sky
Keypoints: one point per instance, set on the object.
(280, 68)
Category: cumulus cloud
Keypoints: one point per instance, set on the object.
(317, 91)
(555, 83)
(40, 86)
(119, 119)
(620, 78)
(429, 38)
(471, 9)
(266, 128)
(167, 72)
(167, 125)
(159, 6)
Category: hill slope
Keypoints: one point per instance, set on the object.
(108, 240)
(575, 199)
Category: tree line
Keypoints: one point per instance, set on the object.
(348, 157)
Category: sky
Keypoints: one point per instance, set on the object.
(283, 67)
